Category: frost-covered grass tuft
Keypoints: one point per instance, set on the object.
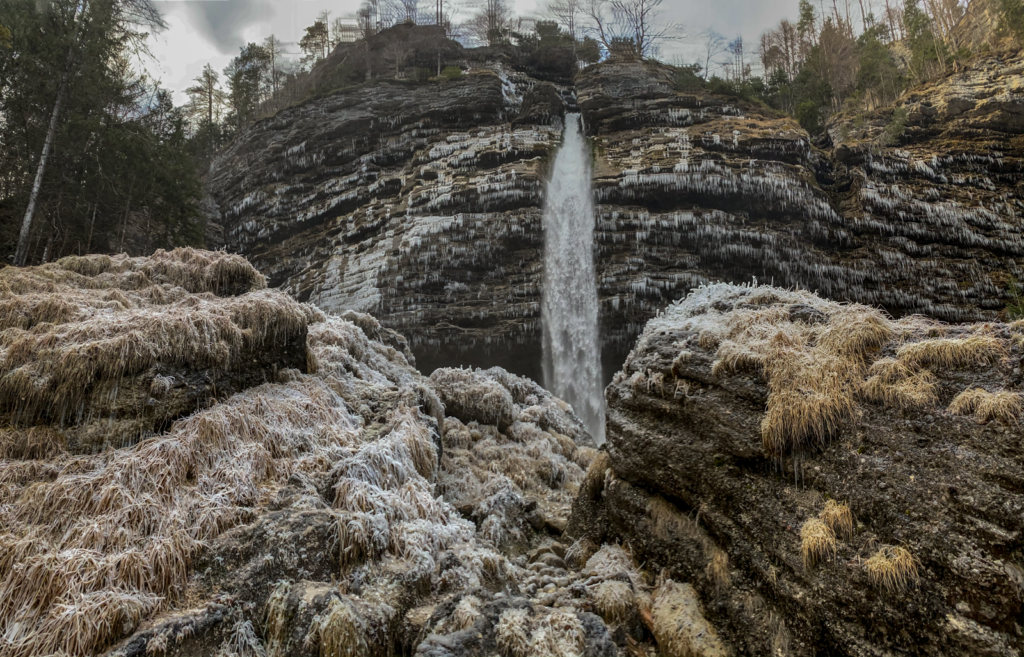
(92, 545)
(818, 358)
(513, 633)
(838, 517)
(338, 631)
(559, 634)
(897, 385)
(73, 338)
(614, 600)
(950, 353)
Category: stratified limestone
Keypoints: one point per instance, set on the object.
(799, 463)
(420, 202)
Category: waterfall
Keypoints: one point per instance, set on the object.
(572, 355)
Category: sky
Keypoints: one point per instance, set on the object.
(212, 31)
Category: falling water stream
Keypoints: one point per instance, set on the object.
(572, 355)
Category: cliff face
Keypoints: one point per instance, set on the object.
(422, 203)
(830, 481)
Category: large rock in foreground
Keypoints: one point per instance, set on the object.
(313, 498)
(829, 480)
(112, 349)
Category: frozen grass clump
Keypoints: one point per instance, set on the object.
(896, 384)
(952, 353)
(679, 626)
(472, 396)
(611, 562)
(892, 568)
(89, 552)
(818, 358)
(614, 600)
(513, 633)
(93, 545)
(559, 634)
(193, 270)
(74, 342)
(838, 517)
(817, 542)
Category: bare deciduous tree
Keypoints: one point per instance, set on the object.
(714, 45)
(568, 14)
(630, 26)
(492, 24)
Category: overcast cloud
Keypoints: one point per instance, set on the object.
(201, 31)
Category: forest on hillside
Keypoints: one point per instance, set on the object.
(98, 158)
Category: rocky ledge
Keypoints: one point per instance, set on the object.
(828, 479)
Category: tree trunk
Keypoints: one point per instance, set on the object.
(92, 224)
(26, 224)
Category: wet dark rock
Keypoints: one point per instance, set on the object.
(686, 480)
(419, 203)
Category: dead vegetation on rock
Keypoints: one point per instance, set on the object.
(302, 515)
(843, 460)
(985, 406)
(892, 568)
(817, 372)
(101, 346)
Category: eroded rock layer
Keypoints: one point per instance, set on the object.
(829, 480)
(421, 203)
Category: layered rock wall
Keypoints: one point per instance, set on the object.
(825, 478)
(421, 202)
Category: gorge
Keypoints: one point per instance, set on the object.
(508, 362)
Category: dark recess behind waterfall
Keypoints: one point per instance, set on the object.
(523, 359)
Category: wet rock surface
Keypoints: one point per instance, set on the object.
(928, 559)
(420, 202)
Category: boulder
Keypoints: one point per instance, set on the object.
(828, 479)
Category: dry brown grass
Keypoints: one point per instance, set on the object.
(90, 545)
(194, 270)
(1004, 406)
(679, 626)
(893, 383)
(338, 631)
(78, 327)
(951, 353)
(577, 555)
(41, 442)
(817, 542)
(111, 536)
(892, 567)
(717, 570)
(838, 517)
(817, 370)
(732, 358)
(812, 370)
